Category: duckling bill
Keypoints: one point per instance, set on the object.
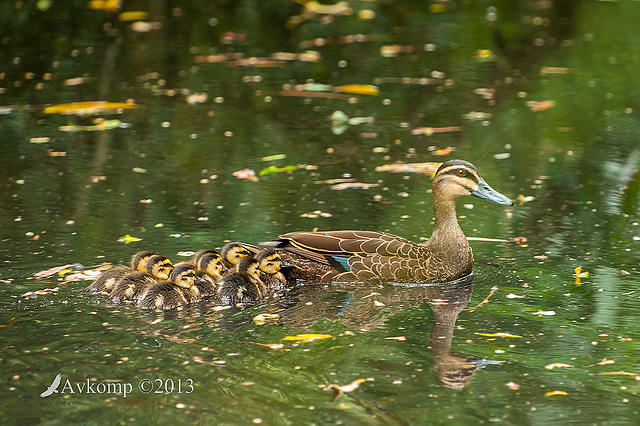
(369, 256)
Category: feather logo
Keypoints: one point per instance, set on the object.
(53, 387)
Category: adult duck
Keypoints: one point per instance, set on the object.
(368, 256)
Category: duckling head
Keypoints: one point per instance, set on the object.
(159, 266)
(184, 275)
(457, 178)
(270, 261)
(250, 267)
(139, 260)
(211, 263)
(234, 253)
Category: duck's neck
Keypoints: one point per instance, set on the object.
(447, 237)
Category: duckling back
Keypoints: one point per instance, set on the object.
(109, 278)
(242, 285)
(163, 296)
(179, 290)
(132, 286)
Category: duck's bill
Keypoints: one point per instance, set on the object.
(486, 192)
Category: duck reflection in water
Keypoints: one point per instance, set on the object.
(362, 308)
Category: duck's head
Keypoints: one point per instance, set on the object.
(184, 275)
(139, 260)
(234, 253)
(159, 266)
(211, 263)
(456, 178)
(200, 253)
(250, 267)
(269, 261)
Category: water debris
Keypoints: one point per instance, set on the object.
(11, 321)
(77, 81)
(556, 393)
(499, 334)
(484, 55)
(334, 181)
(359, 89)
(485, 300)
(477, 116)
(316, 214)
(353, 185)
(544, 313)
(512, 386)
(308, 337)
(522, 199)
(246, 174)
(310, 94)
(340, 122)
(428, 131)
(398, 338)
(128, 239)
(133, 15)
(338, 389)
(618, 373)
(502, 156)
(392, 50)
(540, 106)
(138, 170)
(603, 361)
(100, 126)
(428, 168)
(557, 365)
(554, 70)
(40, 140)
(444, 151)
(41, 292)
(89, 108)
(57, 269)
(274, 157)
(578, 274)
(274, 169)
(231, 37)
(106, 5)
(514, 296)
(262, 319)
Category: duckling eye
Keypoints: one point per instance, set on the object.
(461, 172)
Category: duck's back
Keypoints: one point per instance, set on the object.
(132, 286)
(107, 280)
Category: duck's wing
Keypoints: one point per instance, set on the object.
(350, 243)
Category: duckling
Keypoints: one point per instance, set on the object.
(242, 285)
(200, 253)
(132, 286)
(270, 263)
(108, 279)
(210, 269)
(177, 291)
(233, 253)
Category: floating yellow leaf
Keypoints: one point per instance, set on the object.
(128, 239)
(133, 16)
(88, 108)
(499, 334)
(557, 365)
(555, 393)
(307, 337)
(107, 5)
(359, 89)
(579, 274)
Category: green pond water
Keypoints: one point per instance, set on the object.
(542, 96)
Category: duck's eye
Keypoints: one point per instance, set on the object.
(461, 172)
